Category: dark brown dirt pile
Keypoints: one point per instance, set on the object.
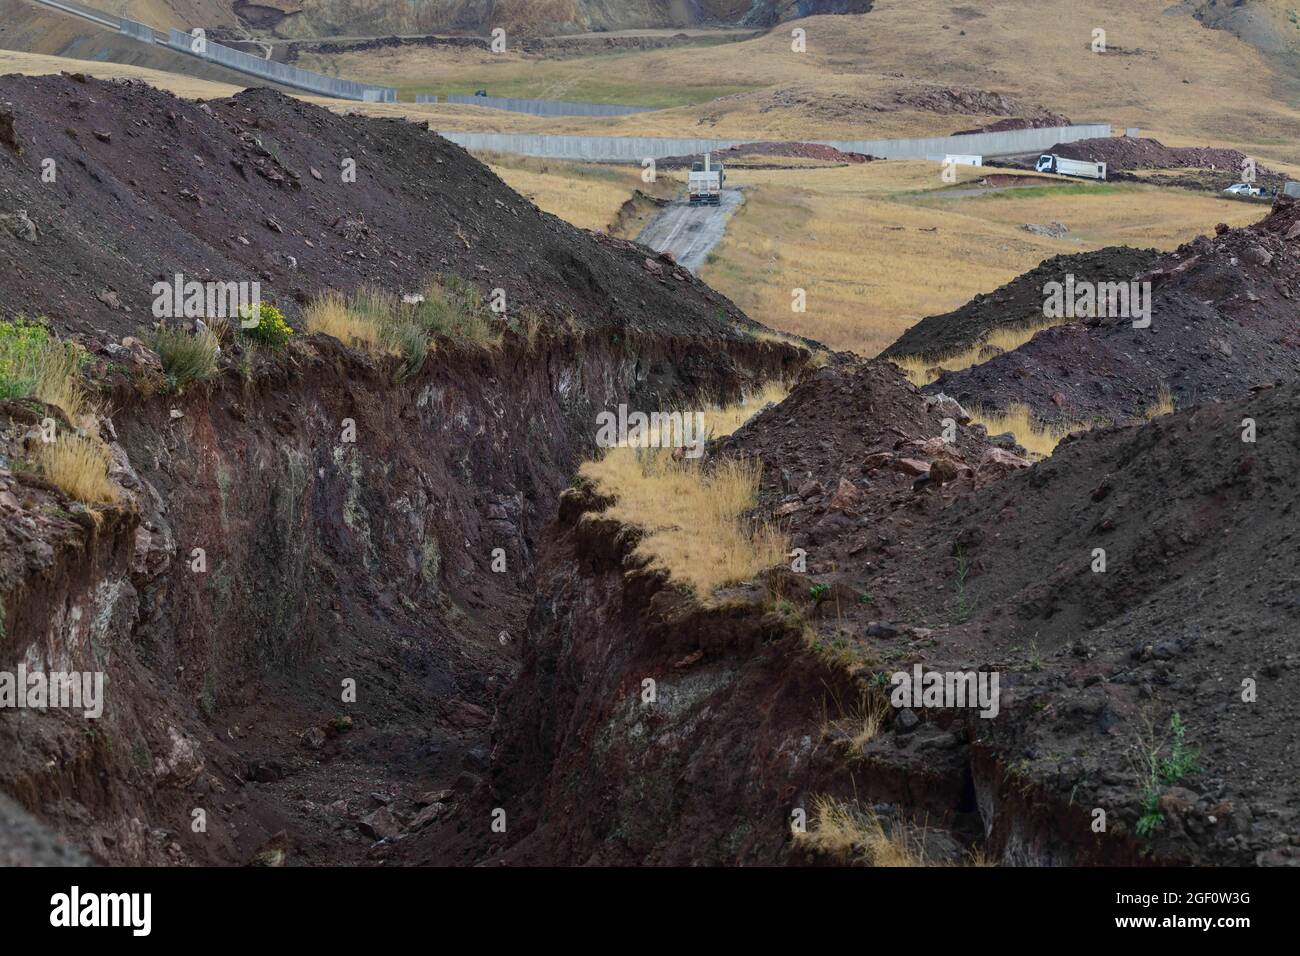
(1223, 319)
(1018, 303)
(252, 188)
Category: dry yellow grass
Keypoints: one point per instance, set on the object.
(858, 725)
(1164, 403)
(59, 382)
(846, 834)
(1037, 437)
(694, 518)
(332, 315)
(588, 195)
(855, 64)
(78, 467)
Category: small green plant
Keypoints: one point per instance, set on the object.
(22, 343)
(1035, 656)
(35, 364)
(270, 329)
(188, 358)
(865, 598)
(819, 591)
(1159, 772)
(454, 309)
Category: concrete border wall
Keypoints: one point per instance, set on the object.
(137, 31)
(281, 73)
(633, 149)
(548, 107)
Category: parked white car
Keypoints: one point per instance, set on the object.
(1243, 189)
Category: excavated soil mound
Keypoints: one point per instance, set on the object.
(252, 188)
(1128, 152)
(1018, 303)
(1223, 319)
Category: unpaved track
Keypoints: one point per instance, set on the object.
(690, 232)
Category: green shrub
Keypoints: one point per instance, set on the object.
(271, 328)
(1162, 772)
(22, 344)
(33, 363)
(456, 311)
(187, 357)
(410, 342)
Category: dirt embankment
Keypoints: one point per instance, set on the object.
(307, 521)
(1222, 319)
(1017, 304)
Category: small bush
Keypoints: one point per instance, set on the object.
(78, 467)
(21, 344)
(33, 363)
(271, 329)
(187, 357)
(455, 310)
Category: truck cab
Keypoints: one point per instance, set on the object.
(704, 182)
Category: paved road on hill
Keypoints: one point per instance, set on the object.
(690, 232)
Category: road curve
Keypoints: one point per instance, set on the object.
(690, 232)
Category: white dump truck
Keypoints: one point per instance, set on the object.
(1051, 163)
(704, 184)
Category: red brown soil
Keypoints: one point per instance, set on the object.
(326, 560)
(1018, 122)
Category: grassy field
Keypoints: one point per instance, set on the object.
(589, 196)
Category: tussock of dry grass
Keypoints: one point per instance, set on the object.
(846, 834)
(694, 518)
(58, 380)
(78, 467)
(1164, 403)
(860, 724)
(1037, 437)
(332, 315)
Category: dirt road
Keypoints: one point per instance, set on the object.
(690, 232)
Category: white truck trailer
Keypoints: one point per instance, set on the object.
(704, 183)
(1051, 163)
